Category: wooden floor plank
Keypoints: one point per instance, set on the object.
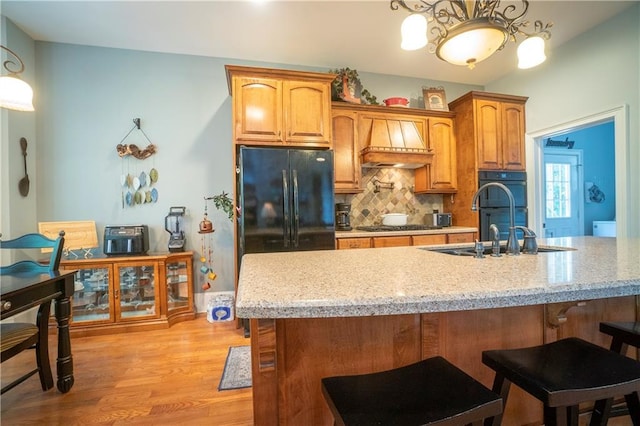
(167, 376)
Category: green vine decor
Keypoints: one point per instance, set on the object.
(224, 203)
(354, 85)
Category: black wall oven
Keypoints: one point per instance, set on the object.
(493, 202)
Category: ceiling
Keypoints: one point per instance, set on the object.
(362, 35)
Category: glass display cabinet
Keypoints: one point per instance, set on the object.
(119, 294)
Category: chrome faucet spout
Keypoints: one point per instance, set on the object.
(512, 243)
(494, 233)
(530, 245)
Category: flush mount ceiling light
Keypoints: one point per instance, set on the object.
(15, 93)
(465, 32)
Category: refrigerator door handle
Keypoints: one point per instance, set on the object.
(296, 210)
(285, 208)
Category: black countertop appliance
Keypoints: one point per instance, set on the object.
(343, 221)
(493, 204)
(126, 240)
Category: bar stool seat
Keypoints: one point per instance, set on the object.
(564, 374)
(623, 334)
(429, 392)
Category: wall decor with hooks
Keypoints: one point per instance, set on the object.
(138, 184)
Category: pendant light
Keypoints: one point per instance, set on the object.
(15, 93)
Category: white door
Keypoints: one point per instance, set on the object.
(563, 197)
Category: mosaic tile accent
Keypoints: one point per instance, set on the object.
(367, 206)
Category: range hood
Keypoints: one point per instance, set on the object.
(393, 143)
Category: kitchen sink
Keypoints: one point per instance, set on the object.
(469, 251)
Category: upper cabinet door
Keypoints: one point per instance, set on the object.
(258, 112)
(489, 133)
(347, 171)
(444, 175)
(513, 127)
(307, 113)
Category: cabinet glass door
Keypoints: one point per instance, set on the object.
(91, 299)
(136, 291)
(177, 284)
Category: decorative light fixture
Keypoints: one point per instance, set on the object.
(465, 32)
(15, 93)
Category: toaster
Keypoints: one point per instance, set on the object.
(441, 220)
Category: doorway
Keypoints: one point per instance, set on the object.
(618, 195)
(563, 201)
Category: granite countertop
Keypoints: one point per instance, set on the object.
(354, 233)
(406, 280)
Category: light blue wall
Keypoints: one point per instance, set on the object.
(593, 73)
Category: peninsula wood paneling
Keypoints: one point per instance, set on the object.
(310, 349)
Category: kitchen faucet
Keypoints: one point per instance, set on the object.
(495, 240)
(512, 243)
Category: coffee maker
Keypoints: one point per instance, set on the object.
(342, 217)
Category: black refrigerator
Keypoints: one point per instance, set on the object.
(286, 200)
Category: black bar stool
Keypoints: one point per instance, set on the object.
(564, 374)
(429, 392)
(623, 334)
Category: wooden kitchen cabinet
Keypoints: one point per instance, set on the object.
(347, 170)
(441, 175)
(118, 294)
(489, 134)
(491, 126)
(461, 237)
(405, 240)
(425, 240)
(396, 241)
(353, 243)
(280, 107)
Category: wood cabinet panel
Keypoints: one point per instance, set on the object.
(258, 113)
(462, 237)
(398, 241)
(513, 122)
(353, 243)
(307, 113)
(441, 175)
(347, 170)
(425, 240)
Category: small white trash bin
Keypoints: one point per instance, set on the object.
(221, 306)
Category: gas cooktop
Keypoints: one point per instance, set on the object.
(379, 228)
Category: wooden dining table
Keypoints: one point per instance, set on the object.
(22, 291)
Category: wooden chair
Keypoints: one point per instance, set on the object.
(429, 392)
(564, 374)
(623, 334)
(16, 337)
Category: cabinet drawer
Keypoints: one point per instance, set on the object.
(425, 240)
(353, 243)
(463, 237)
(400, 241)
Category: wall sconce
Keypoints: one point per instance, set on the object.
(15, 93)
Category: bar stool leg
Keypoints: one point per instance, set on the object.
(501, 386)
(633, 404)
(602, 408)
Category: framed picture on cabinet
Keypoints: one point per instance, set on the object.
(435, 99)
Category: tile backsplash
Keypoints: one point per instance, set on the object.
(367, 206)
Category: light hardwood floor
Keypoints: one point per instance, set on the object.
(144, 378)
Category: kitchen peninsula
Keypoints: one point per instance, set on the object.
(322, 313)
